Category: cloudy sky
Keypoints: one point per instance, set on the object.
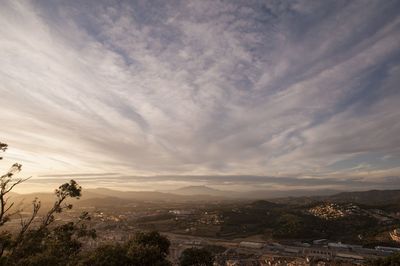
(231, 94)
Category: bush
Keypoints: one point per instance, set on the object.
(196, 257)
(145, 249)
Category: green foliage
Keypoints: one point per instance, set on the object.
(107, 255)
(152, 239)
(145, 249)
(196, 257)
(393, 260)
(215, 249)
(146, 256)
(3, 148)
(290, 225)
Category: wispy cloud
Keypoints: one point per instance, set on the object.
(293, 89)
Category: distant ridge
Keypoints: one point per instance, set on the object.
(198, 190)
(204, 194)
(254, 194)
(371, 197)
(139, 195)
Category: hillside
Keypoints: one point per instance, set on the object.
(371, 197)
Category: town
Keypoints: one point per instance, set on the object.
(205, 226)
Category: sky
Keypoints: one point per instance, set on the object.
(237, 95)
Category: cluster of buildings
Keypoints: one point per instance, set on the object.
(249, 253)
(395, 235)
(330, 211)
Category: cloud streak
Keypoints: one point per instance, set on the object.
(294, 89)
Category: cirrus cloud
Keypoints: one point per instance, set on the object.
(279, 88)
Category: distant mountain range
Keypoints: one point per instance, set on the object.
(101, 196)
(255, 194)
